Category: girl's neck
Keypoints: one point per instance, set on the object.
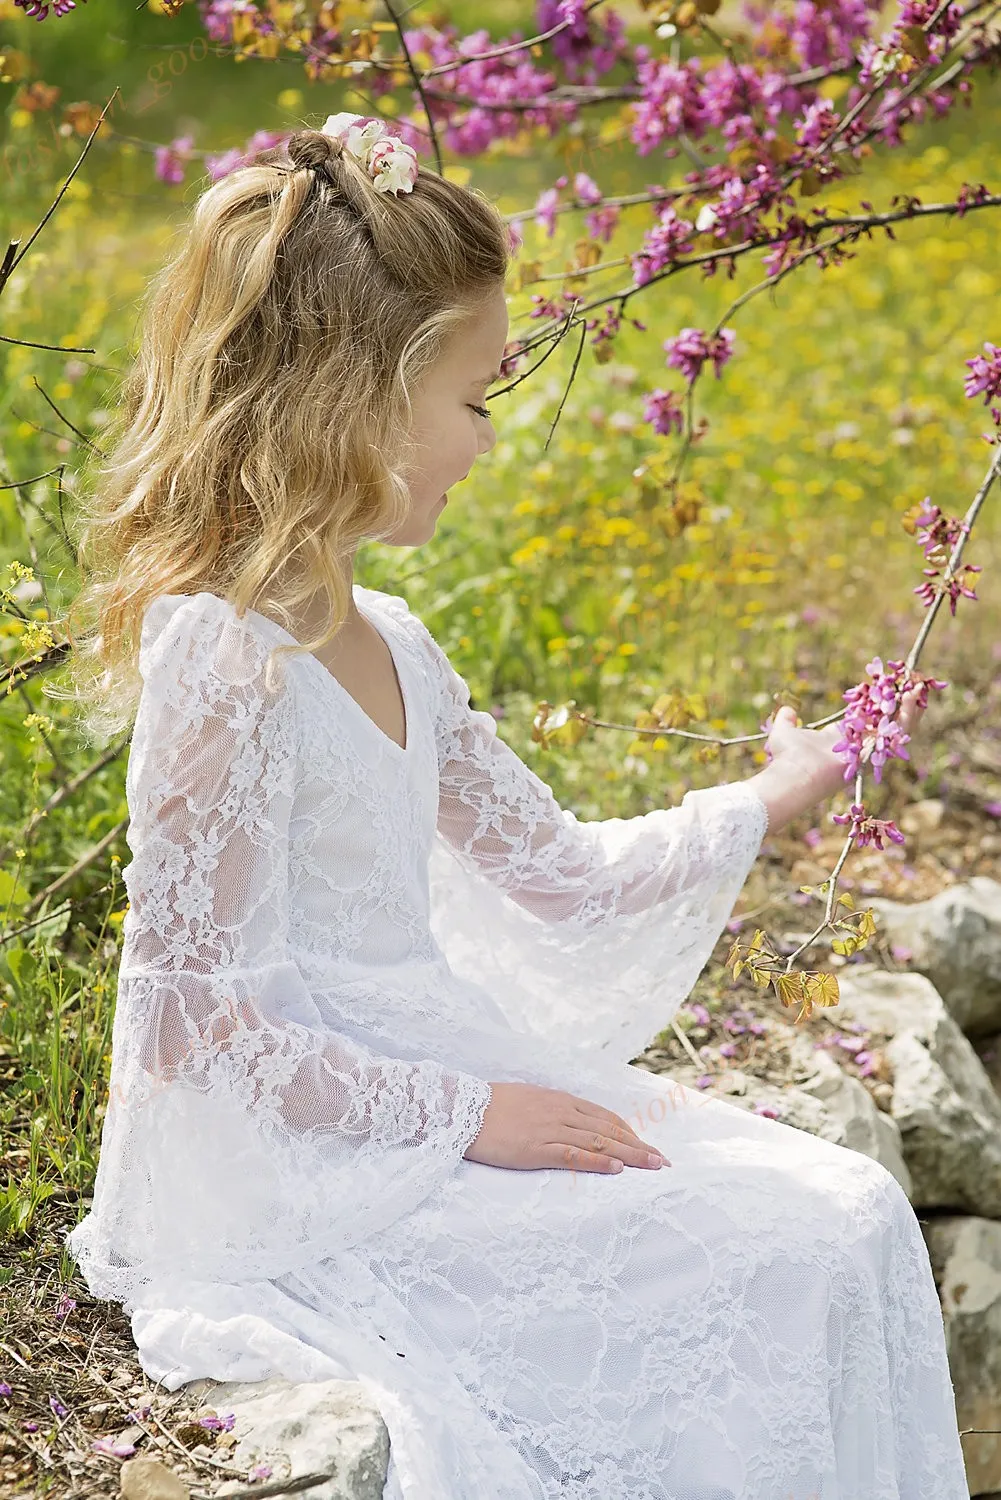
(310, 617)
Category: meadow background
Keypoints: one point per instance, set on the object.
(558, 571)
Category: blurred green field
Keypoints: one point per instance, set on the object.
(554, 574)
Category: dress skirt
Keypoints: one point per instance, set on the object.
(757, 1321)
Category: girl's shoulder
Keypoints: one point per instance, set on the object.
(202, 632)
(198, 630)
(398, 611)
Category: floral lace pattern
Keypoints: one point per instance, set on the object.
(334, 944)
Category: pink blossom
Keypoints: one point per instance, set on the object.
(870, 732)
(689, 351)
(218, 1424)
(670, 237)
(817, 123)
(663, 409)
(670, 103)
(591, 43)
(170, 160)
(985, 377)
(866, 830)
(586, 190)
(221, 164)
(546, 205)
(113, 1448)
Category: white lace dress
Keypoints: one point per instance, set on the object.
(333, 946)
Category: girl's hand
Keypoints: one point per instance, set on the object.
(526, 1126)
(807, 757)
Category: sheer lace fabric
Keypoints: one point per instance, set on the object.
(333, 945)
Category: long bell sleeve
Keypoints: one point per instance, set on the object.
(590, 931)
(242, 1137)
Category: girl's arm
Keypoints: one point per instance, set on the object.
(504, 821)
(584, 932)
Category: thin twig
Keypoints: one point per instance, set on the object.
(55, 202)
(29, 344)
(82, 863)
(274, 1487)
(63, 418)
(418, 85)
(61, 794)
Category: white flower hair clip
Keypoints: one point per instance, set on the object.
(390, 162)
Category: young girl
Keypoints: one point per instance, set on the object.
(379, 992)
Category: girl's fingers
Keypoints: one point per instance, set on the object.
(607, 1121)
(574, 1159)
(910, 712)
(600, 1144)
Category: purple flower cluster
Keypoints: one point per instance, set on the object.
(821, 34)
(870, 731)
(218, 1424)
(663, 409)
(689, 351)
(670, 237)
(985, 378)
(590, 45)
(112, 1447)
(731, 93)
(817, 122)
(937, 535)
(170, 160)
(911, 36)
(670, 102)
(866, 830)
(38, 10)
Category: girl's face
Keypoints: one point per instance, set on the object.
(450, 430)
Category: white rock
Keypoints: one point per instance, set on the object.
(148, 1479)
(318, 1427)
(827, 1102)
(955, 940)
(943, 1101)
(965, 1254)
(853, 1118)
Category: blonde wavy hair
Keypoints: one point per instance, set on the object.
(264, 428)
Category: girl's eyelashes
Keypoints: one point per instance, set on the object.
(480, 411)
